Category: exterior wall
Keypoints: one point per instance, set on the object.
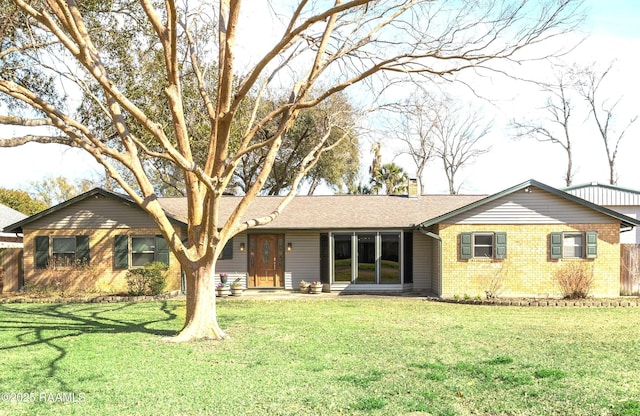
(11, 264)
(96, 212)
(100, 276)
(528, 269)
(632, 236)
(425, 262)
(303, 261)
(534, 207)
(236, 267)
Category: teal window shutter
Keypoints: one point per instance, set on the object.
(121, 252)
(466, 249)
(592, 244)
(501, 246)
(162, 250)
(42, 251)
(556, 245)
(82, 250)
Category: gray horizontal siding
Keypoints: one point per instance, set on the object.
(425, 267)
(536, 207)
(98, 212)
(303, 261)
(237, 264)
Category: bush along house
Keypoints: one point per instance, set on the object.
(513, 243)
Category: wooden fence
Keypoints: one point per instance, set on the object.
(630, 269)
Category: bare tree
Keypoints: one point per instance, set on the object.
(554, 126)
(414, 129)
(457, 132)
(322, 48)
(603, 112)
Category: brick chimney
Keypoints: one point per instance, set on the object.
(413, 188)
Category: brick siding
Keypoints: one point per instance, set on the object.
(101, 276)
(528, 269)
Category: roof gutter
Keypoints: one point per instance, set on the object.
(439, 240)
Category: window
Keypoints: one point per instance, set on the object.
(390, 258)
(342, 257)
(367, 258)
(483, 245)
(70, 251)
(574, 245)
(486, 245)
(137, 251)
(143, 251)
(227, 251)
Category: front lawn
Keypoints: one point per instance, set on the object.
(353, 355)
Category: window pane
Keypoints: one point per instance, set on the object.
(483, 245)
(64, 259)
(390, 264)
(64, 244)
(64, 251)
(483, 252)
(142, 244)
(572, 245)
(483, 239)
(141, 259)
(366, 258)
(342, 258)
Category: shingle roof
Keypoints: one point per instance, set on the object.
(338, 211)
(344, 211)
(9, 216)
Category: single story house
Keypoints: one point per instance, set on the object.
(10, 251)
(446, 245)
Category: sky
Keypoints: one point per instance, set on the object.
(614, 34)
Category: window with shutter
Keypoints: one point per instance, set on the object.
(501, 246)
(83, 257)
(162, 250)
(591, 251)
(572, 244)
(483, 245)
(556, 245)
(42, 252)
(121, 252)
(466, 250)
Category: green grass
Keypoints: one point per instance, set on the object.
(354, 355)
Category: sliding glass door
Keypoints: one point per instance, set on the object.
(377, 257)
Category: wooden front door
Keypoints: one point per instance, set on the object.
(266, 260)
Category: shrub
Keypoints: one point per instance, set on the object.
(493, 282)
(575, 280)
(150, 280)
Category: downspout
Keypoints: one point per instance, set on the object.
(437, 238)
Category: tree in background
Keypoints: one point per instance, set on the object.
(21, 201)
(554, 126)
(390, 178)
(457, 132)
(321, 49)
(413, 126)
(603, 112)
(56, 190)
(336, 118)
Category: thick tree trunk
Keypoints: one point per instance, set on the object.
(201, 320)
